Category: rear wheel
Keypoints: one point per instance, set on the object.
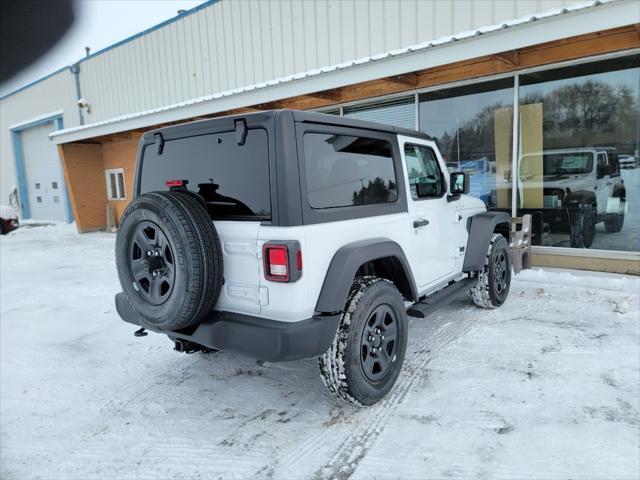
(366, 356)
(169, 260)
(494, 280)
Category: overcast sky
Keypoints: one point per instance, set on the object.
(98, 24)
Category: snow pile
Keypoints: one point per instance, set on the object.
(545, 387)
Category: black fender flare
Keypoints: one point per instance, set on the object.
(345, 264)
(482, 227)
(575, 199)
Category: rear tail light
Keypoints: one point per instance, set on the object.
(176, 184)
(282, 261)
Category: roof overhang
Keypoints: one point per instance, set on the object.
(550, 26)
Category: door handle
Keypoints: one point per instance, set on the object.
(421, 222)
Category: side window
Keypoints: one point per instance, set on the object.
(425, 177)
(115, 184)
(345, 170)
(603, 168)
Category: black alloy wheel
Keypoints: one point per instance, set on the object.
(378, 343)
(151, 261)
(500, 270)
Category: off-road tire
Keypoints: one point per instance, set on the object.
(613, 222)
(195, 209)
(2, 229)
(341, 366)
(583, 227)
(195, 260)
(494, 280)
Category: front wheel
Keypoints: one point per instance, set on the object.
(494, 280)
(366, 356)
(613, 222)
(583, 227)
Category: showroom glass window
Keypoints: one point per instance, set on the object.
(396, 112)
(473, 127)
(579, 154)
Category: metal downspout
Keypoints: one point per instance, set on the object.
(75, 70)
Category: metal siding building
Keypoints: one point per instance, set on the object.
(373, 59)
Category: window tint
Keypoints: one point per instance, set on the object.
(232, 179)
(345, 171)
(425, 176)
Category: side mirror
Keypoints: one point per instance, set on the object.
(459, 183)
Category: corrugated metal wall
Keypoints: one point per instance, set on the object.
(54, 94)
(235, 43)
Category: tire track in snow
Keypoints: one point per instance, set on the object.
(367, 424)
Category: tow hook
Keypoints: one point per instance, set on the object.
(140, 333)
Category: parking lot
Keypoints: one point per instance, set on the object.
(545, 387)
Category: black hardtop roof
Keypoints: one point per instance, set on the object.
(298, 116)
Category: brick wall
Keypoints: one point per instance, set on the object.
(84, 176)
(84, 166)
(121, 153)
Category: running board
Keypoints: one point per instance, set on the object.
(441, 298)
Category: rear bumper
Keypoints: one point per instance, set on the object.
(255, 337)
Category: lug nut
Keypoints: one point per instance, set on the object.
(157, 254)
(370, 338)
(149, 253)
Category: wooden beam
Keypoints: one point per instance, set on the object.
(406, 79)
(510, 58)
(332, 95)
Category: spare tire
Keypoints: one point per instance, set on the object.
(169, 260)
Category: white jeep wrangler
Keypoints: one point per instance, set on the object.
(285, 234)
(581, 187)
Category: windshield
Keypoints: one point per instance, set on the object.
(557, 164)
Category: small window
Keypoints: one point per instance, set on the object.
(345, 171)
(425, 176)
(39, 199)
(115, 184)
(56, 199)
(54, 185)
(37, 186)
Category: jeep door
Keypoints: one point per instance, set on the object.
(430, 214)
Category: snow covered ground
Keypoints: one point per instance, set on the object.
(545, 387)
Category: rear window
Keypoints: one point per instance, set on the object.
(232, 179)
(346, 170)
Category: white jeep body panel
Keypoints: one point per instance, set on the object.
(241, 292)
(423, 246)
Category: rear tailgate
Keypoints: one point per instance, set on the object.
(241, 291)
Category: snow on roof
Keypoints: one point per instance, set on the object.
(340, 66)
